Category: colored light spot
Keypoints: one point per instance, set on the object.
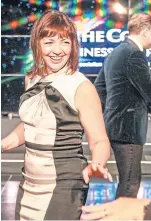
(32, 18)
(110, 23)
(32, 1)
(14, 24)
(118, 25)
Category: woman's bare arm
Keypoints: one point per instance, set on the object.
(16, 137)
(90, 113)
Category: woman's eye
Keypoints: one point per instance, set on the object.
(50, 42)
(66, 42)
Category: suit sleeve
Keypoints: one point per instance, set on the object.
(101, 87)
(139, 75)
(149, 108)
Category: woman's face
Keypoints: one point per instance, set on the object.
(55, 52)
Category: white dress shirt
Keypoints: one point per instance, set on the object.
(136, 42)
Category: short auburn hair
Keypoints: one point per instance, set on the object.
(53, 23)
(139, 22)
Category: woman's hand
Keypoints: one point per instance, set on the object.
(120, 209)
(14, 139)
(96, 169)
(9, 142)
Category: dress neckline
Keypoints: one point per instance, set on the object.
(51, 77)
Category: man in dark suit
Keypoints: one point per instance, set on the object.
(124, 87)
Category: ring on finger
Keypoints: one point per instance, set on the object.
(105, 212)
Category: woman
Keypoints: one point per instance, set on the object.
(58, 103)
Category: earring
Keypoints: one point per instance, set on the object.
(41, 65)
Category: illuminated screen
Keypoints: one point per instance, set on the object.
(101, 191)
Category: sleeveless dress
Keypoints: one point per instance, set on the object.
(52, 186)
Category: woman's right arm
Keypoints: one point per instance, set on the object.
(16, 137)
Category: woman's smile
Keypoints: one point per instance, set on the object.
(55, 52)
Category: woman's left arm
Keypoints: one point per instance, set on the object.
(90, 112)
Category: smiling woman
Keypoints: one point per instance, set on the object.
(55, 52)
(59, 102)
(53, 36)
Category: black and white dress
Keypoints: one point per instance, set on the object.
(52, 187)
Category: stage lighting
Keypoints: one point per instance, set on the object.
(118, 8)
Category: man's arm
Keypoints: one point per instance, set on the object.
(101, 87)
(139, 75)
(149, 108)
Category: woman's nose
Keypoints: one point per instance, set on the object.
(57, 49)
